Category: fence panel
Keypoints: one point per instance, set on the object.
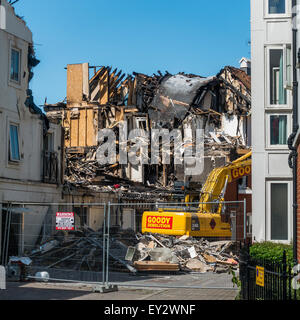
(144, 257)
(62, 242)
(277, 279)
(106, 240)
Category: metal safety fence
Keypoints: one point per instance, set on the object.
(159, 255)
(265, 279)
(63, 241)
(109, 244)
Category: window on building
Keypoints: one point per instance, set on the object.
(277, 90)
(278, 128)
(14, 153)
(82, 213)
(280, 75)
(15, 65)
(288, 67)
(277, 6)
(49, 142)
(279, 211)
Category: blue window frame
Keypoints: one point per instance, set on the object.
(14, 154)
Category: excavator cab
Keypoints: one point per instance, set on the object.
(186, 192)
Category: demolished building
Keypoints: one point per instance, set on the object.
(219, 105)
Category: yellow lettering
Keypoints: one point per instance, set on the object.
(241, 171)
(235, 173)
(248, 170)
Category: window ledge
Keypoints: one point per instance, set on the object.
(15, 85)
(277, 107)
(278, 16)
(278, 148)
(14, 164)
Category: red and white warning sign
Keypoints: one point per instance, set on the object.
(65, 221)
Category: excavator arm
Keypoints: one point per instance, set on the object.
(215, 186)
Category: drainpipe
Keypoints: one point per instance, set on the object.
(294, 155)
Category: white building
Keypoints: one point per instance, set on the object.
(29, 149)
(272, 106)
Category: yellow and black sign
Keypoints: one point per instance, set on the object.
(240, 172)
(260, 276)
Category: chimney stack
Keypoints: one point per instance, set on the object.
(245, 65)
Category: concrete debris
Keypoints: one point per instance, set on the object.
(17, 267)
(83, 250)
(163, 255)
(192, 252)
(24, 260)
(42, 276)
(189, 253)
(197, 265)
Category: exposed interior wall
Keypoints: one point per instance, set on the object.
(128, 218)
(80, 117)
(33, 224)
(96, 218)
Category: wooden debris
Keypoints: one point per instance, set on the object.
(155, 266)
(209, 259)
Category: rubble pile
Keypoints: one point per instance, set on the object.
(188, 253)
(80, 250)
(130, 252)
(81, 168)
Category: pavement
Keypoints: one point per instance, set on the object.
(64, 291)
(185, 287)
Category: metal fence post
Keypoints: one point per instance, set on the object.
(247, 271)
(6, 235)
(242, 271)
(107, 243)
(105, 288)
(245, 219)
(284, 275)
(2, 278)
(103, 248)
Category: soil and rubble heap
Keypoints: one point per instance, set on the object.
(133, 252)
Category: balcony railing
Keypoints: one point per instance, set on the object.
(50, 167)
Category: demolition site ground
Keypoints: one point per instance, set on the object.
(131, 288)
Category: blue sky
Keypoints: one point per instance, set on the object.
(193, 36)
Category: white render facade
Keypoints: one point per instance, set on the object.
(22, 138)
(272, 106)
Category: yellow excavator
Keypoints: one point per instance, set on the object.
(206, 220)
